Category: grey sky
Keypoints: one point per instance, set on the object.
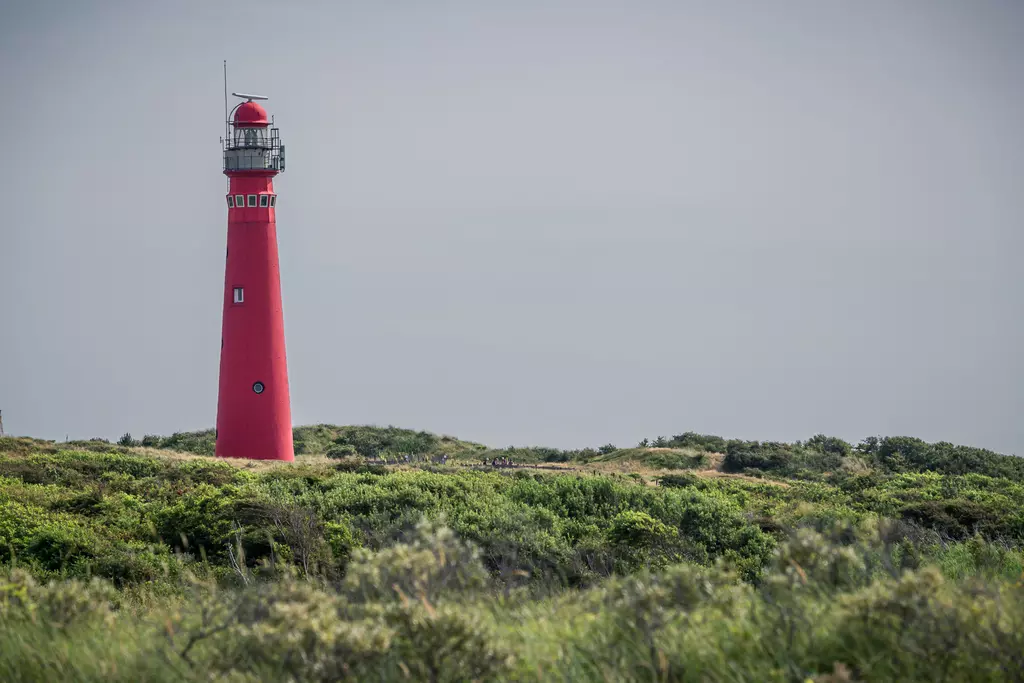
(529, 222)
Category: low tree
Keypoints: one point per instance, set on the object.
(127, 440)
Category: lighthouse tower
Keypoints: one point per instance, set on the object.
(253, 408)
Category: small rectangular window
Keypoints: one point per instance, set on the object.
(264, 201)
(252, 200)
(231, 202)
(273, 200)
(239, 200)
(239, 295)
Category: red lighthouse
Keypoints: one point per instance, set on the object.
(253, 408)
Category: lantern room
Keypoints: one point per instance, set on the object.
(252, 143)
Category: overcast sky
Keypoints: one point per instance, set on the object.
(531, 222)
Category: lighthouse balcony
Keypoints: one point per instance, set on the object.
(254, 159)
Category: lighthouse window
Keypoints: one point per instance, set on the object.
(252, 200)
(258, 387)
(250, 137)
(239, 295)
(239, 200)
(273, 200)
(231, 202)
(264, 201)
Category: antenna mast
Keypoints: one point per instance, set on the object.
(227, 131)
(225, 99)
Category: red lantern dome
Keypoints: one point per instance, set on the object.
(250, 114)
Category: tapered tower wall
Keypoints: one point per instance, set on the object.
(253, 406)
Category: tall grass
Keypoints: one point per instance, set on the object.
(426, 610)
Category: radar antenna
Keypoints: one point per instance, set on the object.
(246, 96)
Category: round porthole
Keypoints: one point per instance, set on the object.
(258, 387)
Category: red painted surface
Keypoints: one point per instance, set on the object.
(251, 113)
(249, 424)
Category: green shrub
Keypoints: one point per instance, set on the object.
(56, 545)
(201, 443)
(830, 445)
(290, 630)
(57, 605)
(961, 519)
(901, 453)
(676, 461)
(741, 456)
(199, 520)
(703, 442)
(435, 560)
(635, 529)
(447, 643)
(136, 562)
(682, 480)
(342, 451)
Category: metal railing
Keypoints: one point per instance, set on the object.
(274, 143)
(256, 159)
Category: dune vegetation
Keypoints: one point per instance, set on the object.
(390, 554)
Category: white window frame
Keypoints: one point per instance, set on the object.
(231, 201)
(238, 295)
(239, 201)
(251, 203)
(264, 201)
(273, 201)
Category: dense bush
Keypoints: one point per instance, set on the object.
(108, 508)
(902, 453)
(374, 442)
(743, 455)
(703, 442)
(829, 445)
(342, 451)
(674, 460)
